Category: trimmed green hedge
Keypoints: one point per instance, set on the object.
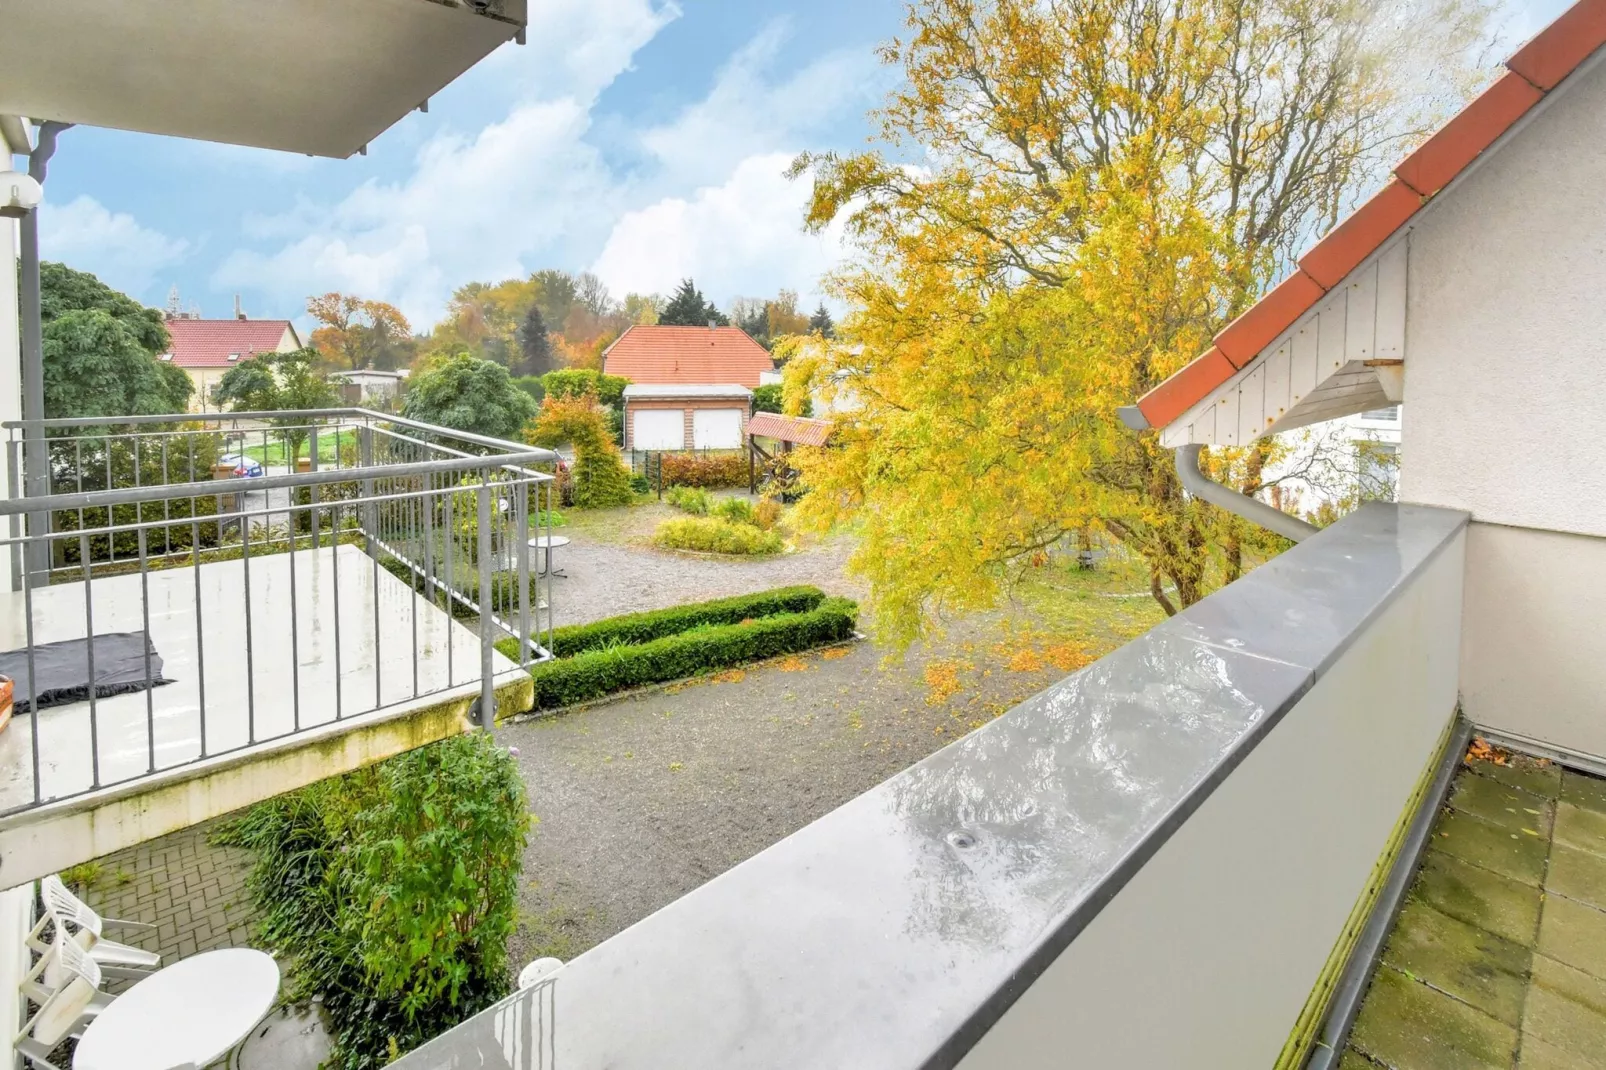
(568, 680)
(633, 628)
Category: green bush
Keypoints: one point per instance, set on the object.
(568, 680)
(706, 469)
(392, 892)
(573, 382)
(693, 500)
(711, 535)
(504, 584)
(633, 628)
(736, 510)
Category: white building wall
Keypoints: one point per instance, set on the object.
(1506, 377)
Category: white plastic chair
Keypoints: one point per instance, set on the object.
(116, 960)
(65, 1007)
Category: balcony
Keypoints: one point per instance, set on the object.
(252, 631)
(1191, 852)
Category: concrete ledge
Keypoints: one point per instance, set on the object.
(50, 838)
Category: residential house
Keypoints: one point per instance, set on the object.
(690, 387)
(207, 349)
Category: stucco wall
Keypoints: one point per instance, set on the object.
(1533, 642)
(1506, 385)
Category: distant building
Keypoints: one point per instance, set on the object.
(206, 349)
(691, 387)
(369, 385)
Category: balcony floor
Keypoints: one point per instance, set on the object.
(400, 650)
(1498, 957)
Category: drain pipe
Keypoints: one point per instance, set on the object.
(1199, 485)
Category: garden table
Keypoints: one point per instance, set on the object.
(546, 544)
(192, 1013)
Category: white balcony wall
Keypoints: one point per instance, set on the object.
(1206, 957)
(1507, 382)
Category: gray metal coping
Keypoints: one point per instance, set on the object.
(894, 931)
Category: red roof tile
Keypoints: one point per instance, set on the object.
(1442, 156)
(1177, 394)
(796, 429)
(657, 354)
(1543, 63)
(1358, 236)
(1242, 339)
(208, 343)
(1560, 47)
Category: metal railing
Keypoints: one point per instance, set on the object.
(285, 570)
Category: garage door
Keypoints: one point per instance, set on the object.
(716, 429)
(659, 429)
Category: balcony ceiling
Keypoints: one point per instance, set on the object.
(322, 77)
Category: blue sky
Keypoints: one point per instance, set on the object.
(641, 139)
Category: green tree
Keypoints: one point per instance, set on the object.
(534, 344)
(95, 365)
(821, 322)
(63, 290)
(274, 382)
(686, 308)
(469, 394)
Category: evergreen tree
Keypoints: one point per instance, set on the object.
(687, 308)
(534, 343)
(821, 321)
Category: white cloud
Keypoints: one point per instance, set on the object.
(85, 235)
(742, 237)
(534, 189)
(746, 113)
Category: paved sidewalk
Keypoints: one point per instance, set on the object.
(194, 893)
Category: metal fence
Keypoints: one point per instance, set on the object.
(229, 542)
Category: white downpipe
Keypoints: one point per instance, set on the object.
(1199, 485)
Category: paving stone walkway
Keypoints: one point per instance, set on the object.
(193, 892)
(1498, 958)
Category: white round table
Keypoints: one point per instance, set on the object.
(192, 1012)
(546, 544)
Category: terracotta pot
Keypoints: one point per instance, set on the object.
(7, 688)
(303, 464)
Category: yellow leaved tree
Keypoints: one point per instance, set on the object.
(1074, 195)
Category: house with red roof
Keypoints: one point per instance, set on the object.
(207, 349)
(690, 387)
(1471, 289)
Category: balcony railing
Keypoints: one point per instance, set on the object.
(1166, 859)
(376, 573)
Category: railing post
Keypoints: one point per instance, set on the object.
(370, 515)
(15, 523)
(487, 618)
(313, 491)
(521, 527)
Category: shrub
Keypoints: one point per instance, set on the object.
(657, 623)
(574, 382)
(599, 476)
(568, 680)
(767, 513)
(710, 535)
(736, 510)
(392, 892)
(705, 469)
(693, 500)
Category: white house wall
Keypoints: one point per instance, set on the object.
(1316, 370)
(1507, 383)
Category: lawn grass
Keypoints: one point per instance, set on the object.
(1098, 609)
(328, 449)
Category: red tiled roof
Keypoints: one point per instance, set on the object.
(657, 354)
(208, 343)
(1535, 69)
(797, 429)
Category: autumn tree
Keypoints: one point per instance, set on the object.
(354, 333)
(601, 479)
(687, 308)
(1106, 183)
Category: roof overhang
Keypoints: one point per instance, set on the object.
(322, 77)
(685, 391)
(1329, 340)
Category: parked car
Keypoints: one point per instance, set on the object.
(244, 467)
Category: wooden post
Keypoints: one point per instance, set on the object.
(752, 468)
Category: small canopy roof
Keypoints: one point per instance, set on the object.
(798, 430)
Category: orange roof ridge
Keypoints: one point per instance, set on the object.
(1535, 69)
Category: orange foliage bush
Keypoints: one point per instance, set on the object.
(705, 469)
